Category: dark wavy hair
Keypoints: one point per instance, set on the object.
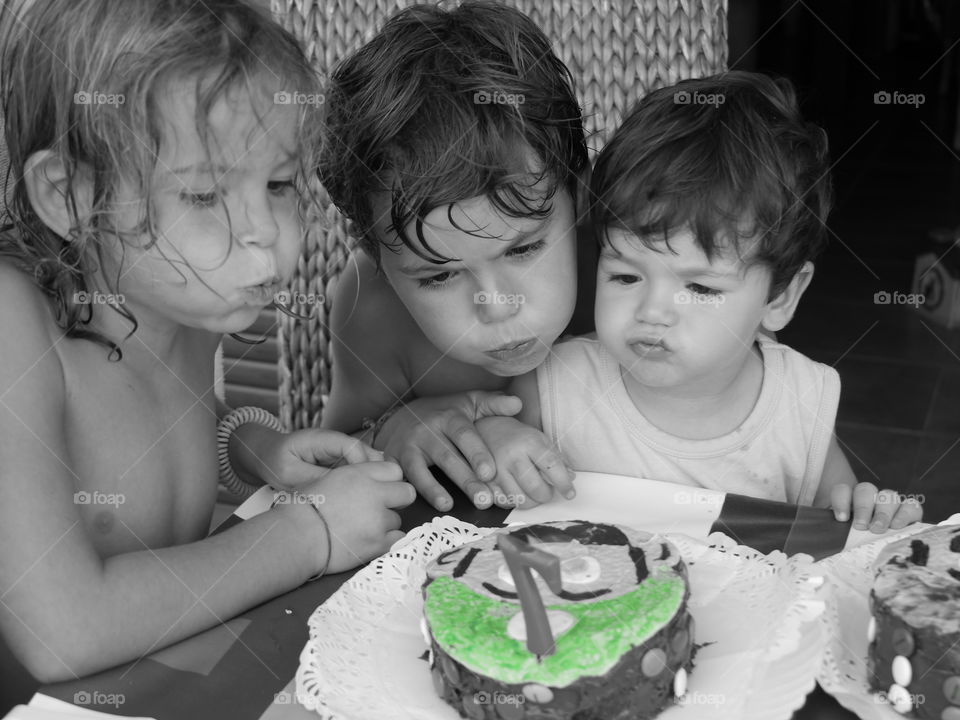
(54, 52)
(728, 156)
(445, 105)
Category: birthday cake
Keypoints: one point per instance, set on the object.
(914, 631)
(600, 631)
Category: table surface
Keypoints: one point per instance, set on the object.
(244, 669)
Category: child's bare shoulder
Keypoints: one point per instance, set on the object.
(30, 333)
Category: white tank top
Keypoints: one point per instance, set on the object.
(777, 453)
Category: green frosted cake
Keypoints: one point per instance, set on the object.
(621, 636)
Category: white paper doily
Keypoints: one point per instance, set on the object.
(843, 671)
(757, 622)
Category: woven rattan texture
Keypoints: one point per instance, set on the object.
(617, 51)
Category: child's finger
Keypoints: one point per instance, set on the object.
(841, 497)
(864, 500)
(465, 438)
(381, 471)
(333, 448)
(884, 509)
(398, 495)
(358, 452)
(419, 475)
(448, 458)
(481, 494)
(531, 483)
(555, 471)
(393, 536)
(490, 403)
(909, 512)
(520, 483)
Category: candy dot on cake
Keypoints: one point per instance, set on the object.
(539, 694)
(902, 670)
(654, 662)
(899, 698)
(623, 643)
(680, 683)
(915, 613)
(951, 690)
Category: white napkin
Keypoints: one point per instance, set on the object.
(649, 504)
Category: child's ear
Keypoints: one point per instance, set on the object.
(779, 311)
(48, 180)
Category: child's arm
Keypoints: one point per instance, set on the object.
(373, 348)
(67, 611)
(878, 510)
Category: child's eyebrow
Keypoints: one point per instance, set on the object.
(220, 169)
(414, 267)
(685, 272)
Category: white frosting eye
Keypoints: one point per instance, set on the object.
(559, 621)
(580, 570)
(575, 570)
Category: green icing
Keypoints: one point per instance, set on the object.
(472, 629)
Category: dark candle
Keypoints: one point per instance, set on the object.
(521, 558)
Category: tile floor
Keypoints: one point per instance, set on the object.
(899, 416)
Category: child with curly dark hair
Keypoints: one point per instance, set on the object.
(709, 205)
(154, 189)
(454, 145)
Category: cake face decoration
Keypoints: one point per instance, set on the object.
(618, 618)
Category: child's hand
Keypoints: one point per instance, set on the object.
(529, 468)
(358, 503)
(879, 510)
(440, 431)
(305, 456)
(291, 461)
